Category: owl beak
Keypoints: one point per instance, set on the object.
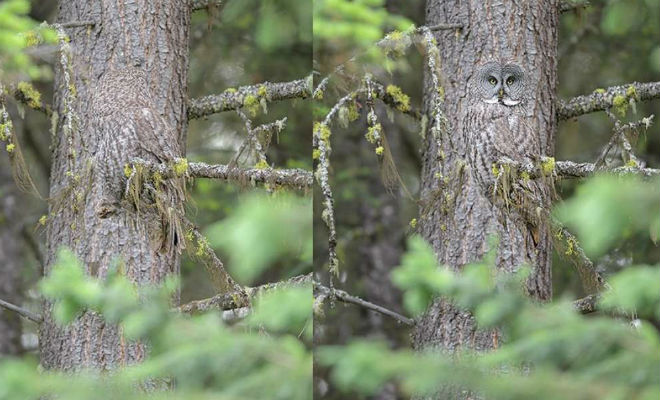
(500, 94)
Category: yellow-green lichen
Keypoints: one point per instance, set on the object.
(353, 113)
(251, 103)
(631, 92)
(373, 133)
(620, 104)
(600, 91)
(42, 220)
(31, 95)
(263, 91)
(401, 100)
(443, 227)
(157, 178)
(380, 150)
(323, 131)
(632, 163)
(180, 167)
(11, 147)
(548, 165)
(128, 170)
(524, 175)
(189, 235)
(413, 223)
(202, 246)
(262, 164)
(231, 90)
(571, 245)
(318, 95)
(495, 169)
(316, 154)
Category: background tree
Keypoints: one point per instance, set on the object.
(569, 30)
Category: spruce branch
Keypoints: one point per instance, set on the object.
(571, 169)
(36, 318)
(292, 178)
(232, 99)
(602, 99)
(326, 292)
(238, 300)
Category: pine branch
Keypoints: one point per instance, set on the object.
(22, 312)
(587, 304)
(293, 178)
(601, 100)
(571, 169)
(232, 99)
(236, 300)
(569, 5)
(196, 5)
(347, 298)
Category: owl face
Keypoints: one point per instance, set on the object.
(501, 84)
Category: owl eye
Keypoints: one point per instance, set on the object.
(510, 80)
(492, 80)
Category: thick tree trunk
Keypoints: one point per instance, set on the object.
(153, 35)
(10, 262)
(456, 217)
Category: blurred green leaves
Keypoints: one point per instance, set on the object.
(17, 32)
(264, 230)
(606, 209)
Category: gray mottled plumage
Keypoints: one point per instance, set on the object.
(127, 126)
(497, 127)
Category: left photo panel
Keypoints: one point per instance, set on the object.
(156, 199)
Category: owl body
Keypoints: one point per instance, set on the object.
(127, 127)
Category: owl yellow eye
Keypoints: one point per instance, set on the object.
(492, 80)
(510, 80)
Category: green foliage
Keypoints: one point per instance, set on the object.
(264, 230)
(206, 358)
(543, 350)
(17, 32)
(607, 208)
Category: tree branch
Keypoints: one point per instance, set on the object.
(347, 298)
(235, 300)
(294, 178)
(570, 169)
(24, 98)
(232, 99)
(569, 5)
(22, 312)
(587, 304)
(600, 100)
(196, 5)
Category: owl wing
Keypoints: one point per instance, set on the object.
(155, 136)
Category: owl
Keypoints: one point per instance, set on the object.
(127, 126)
(496, 121)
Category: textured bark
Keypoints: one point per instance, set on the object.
(156, 34)
(10, 262)
(455, 216)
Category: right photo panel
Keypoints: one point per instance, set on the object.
(486, 200)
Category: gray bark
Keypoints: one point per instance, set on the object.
(455, 216)
(157, 34)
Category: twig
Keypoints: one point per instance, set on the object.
(569, 5)
(604, 99)
(293, 178)
(234, 99)
(347, 298)
(236, 300)
(252, 137)
(273, 128)
(592, 281)
(22, 312)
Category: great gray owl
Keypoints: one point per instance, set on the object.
(127, 126)
(497, 126)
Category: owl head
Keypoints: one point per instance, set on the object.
(503, 84)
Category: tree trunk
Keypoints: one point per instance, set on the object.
(127, 38)
(10, 262)
(456, 216)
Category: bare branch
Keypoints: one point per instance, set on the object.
(347, 298)
(24, 98)
(232, 99)
(568, 246)
(235, 300)
(570, 169)
(293, 178)
(600, 100)
(196, 5)
(569, 5)
(22, 312)
(587, 304)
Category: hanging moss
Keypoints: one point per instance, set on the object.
(620, 104)
(323, 130)
(251, 103)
